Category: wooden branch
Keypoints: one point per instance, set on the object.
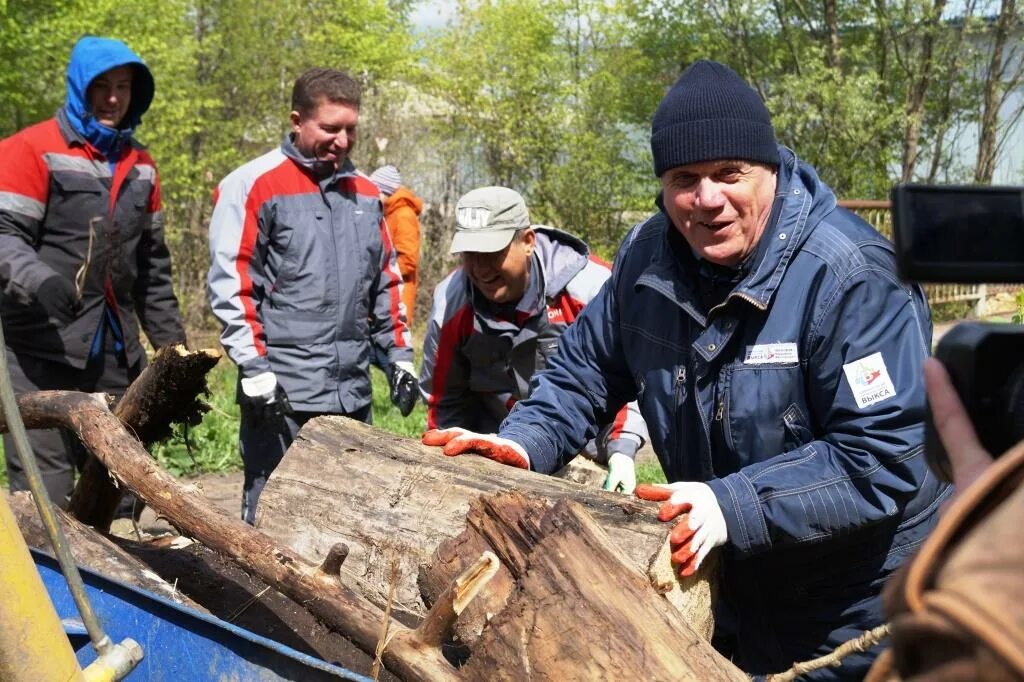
(166, 392)
(437, 626)
(578, 610)
(333, 603)
(91, 550)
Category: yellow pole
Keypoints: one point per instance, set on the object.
(33, 645)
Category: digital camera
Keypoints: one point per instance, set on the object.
(969, 234)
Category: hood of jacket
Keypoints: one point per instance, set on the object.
(403, 197)
(91, 57)
(561, 257)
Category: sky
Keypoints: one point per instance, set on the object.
(432, 14)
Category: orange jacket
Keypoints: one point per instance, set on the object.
(401, 211)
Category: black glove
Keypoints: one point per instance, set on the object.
(276, 409)
(266, 398)
(57, 297)
(405, 390)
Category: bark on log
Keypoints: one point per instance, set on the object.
(384, 496)
(324, 595)
(578, 610)
(92, 550)
(166, 392)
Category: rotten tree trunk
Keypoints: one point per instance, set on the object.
(387, 496)
(322, 593)
(166, 392)
(577, 611)
(92, 550)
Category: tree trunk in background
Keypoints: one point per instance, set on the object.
(994, 94)
(917, 92)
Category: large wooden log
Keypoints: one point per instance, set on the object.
(165, 393)
(387, 496)
(578, 611)
(320, 591)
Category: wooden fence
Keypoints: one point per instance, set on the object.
(878, 214)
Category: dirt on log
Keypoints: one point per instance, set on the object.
(387, 496)
(167, 392)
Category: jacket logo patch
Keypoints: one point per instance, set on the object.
(556, 315)
(771, 354)
(869, 380)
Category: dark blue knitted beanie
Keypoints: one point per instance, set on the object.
(711, 113)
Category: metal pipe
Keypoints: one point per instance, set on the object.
(16, 427)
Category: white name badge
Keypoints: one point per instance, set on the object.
(771, 354)
(869, 380)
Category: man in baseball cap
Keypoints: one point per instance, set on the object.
(496, 320)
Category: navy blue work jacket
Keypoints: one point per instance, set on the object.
(799, 400)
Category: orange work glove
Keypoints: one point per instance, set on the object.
(701, 526)
(458, 441)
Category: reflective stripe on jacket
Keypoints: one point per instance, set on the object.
(476, 367)
(303, 274)
(811, 369)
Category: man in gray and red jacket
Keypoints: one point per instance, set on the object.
(496, 320)
(303, 277)
(83, 252)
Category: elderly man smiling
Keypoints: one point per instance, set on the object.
(776, 359)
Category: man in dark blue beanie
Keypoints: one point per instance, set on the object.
(776, 358)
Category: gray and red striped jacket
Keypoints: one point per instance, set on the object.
(303, 276)
(64, 211)
(476, 366)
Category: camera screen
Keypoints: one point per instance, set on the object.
(959, 234)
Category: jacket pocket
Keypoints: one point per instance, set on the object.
(754, 404)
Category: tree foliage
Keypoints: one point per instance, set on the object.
(553, 98)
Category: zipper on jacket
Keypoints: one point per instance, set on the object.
(749, 299)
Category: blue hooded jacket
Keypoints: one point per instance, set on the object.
(91, 57)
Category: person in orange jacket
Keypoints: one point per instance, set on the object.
(401, 212)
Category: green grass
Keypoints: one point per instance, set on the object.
(211, 446)
(649, 472)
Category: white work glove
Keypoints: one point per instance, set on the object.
(263, 393)
(621, 474)
(701, 527)
(458, 441)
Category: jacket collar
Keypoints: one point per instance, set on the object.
(324, 173)
(802, 201)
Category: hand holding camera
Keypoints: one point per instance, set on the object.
(976, 389)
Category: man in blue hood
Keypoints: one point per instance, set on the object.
(84, 259)
(776, 358)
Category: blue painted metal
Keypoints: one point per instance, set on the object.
(180, 644)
